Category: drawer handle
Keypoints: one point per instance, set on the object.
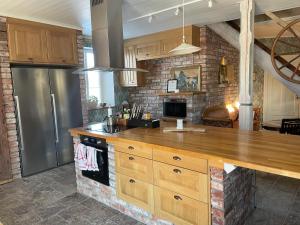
(131, 158)
(132, 181)
(178, 198)
(177, 171)
(131, 148)
(30, 58)
(176, 158)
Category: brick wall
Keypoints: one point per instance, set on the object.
(231, 196)
(213, 49)
(9, 107)
(83, 91)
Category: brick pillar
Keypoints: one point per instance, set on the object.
(83, 78)
(9, 109)
(231, 196)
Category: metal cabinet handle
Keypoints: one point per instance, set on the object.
(131, 158)
(177, 171)
(55, 118)
(132, 181)
(20, 122)
(177, 158)
(131, 148)
(178, 198)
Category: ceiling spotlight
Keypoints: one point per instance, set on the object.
(150, 19)
(177, 11)
(210, 3)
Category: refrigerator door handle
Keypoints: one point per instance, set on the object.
(19, 122)
(55, 118)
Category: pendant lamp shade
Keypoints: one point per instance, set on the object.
(184, 48)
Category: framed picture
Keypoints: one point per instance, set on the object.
(172, 85)
(189, 78)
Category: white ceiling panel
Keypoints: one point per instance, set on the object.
(76, 13)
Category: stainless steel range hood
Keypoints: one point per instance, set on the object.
(107, 36)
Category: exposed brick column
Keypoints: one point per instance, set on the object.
(83, 78)
(231, 196)
(10, 117)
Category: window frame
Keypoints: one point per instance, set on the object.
(87, 50)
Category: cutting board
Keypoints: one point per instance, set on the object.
(186, 129)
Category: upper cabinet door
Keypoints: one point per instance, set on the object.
(146, 51)
(27, 42)
(62, 46)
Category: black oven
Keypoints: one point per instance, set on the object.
(102, 175)
(174, 108)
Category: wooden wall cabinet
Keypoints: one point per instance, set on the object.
(158, 45)
(148, 50)
(131, 78)
(62, 46)
(31, 42)
(27, 42)
(153, 46)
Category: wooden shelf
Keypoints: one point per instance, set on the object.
(182, 93)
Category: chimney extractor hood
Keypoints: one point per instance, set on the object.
(107, 36)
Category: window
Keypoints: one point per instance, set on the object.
(93, 79)
(99, 84)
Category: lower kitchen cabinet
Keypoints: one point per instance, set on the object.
(170, 185)
(135, 191)
(183, 181)
(134, 166)
(179, 209)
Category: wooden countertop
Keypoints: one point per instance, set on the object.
(263, 150)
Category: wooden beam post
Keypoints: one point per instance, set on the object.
(247, 9)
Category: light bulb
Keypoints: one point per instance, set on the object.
(210, 3)
(150, 19)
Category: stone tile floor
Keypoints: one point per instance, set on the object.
(50, 198)
(278, 201)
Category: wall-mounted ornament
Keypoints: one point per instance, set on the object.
(172, 85)
(189, 78)
(223, 71)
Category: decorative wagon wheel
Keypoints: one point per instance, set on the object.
(285, 53)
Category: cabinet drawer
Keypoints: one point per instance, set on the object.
(179, 209)
(135, 166)
(138, 149)
(180, 160)
(136, 192)
(183, 181)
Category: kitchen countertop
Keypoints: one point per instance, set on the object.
(263, 150)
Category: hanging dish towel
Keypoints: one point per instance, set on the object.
(91, 163)
(80, 155)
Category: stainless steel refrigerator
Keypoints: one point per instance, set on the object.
(48, 103)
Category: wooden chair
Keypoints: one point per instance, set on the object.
(290, 126)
